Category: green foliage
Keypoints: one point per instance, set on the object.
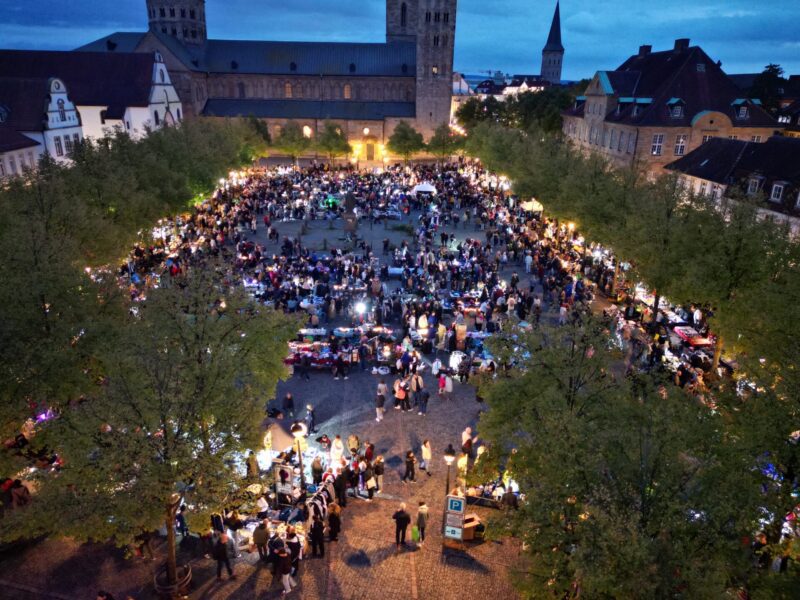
(333, 141)
(405, 141)
(261, 129)
(527, 110)
(291, 141)
(444, 142)
(766, 86)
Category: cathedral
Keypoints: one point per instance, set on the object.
(366, 87)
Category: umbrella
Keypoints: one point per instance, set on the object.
(424, 188)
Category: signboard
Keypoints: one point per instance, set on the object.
(454, 533)
(456, 504)
(454, 520)
(283, 479)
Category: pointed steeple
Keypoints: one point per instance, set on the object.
(554, 39)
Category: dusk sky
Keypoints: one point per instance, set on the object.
(491, 34)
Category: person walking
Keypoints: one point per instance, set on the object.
(222, 557)
(334, 522)
(401, 522)
(378, 469)
(261, 539)
(409, 475)
(311, 420)
(317, 538)
(427, 456)
(422, 520)
(380, 400)
(285, 569)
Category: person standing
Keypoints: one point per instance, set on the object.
(317, 538)
(316, 470)
(295, 548)
(261, 539)
(288, 405)
(311, 420)
(340, 485)
(380, 400)
(417, 385)
(369, 480)
(467, 441)
(222, 557)
(423, 402)
(427, 456)
(422, 520)
(337, 451)
(411, 460)
(285, 569)
(334, 522)
(401, 522)
(378, 468)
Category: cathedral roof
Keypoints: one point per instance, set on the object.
(554, 39)
(393, 59)
(308, 109)
(22, 108)
(119, 79)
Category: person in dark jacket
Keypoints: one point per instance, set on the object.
(311, 421)
(295, 549)
(316, 470)
(285, 570)
(288, 405)
(334, 522)
(409, 475)
(260, 539)
(401, 522)
(222, 558)
(318, 538)
(340, 486)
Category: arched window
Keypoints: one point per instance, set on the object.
(352, 67)
(403, 14)
(162, 76)
(348, 91)
(242, 91)
(287, 90)
(62, 113)
(155, 118)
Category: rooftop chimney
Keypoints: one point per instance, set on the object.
(645, 50)
(681, 44)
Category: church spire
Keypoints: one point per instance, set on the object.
(554, 39)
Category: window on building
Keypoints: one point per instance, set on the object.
(777, 192)
(733, 137)
(631, 143)
(436, 40)
(242, 90)
(743, 112)
(194, 34)
(2, 168)
(22, 163)
(307, 131)
(67, 145)
(174, 32)
(191, 13)
(657, 145)
(446, 17)
(677, 111)
(613, 139)
(592, 134)
(163, 30)
(352, 67)
(621, 145)
(752, 186)
(287, 90)
(156, 118)
(185, 32)
(605, 138)
(680, 145)
(437, 17)
(12, 165)
(701, 67)
(293, 67)
(183, 13)
(171, 12)
(756, 139)
(706, 138)
(703, 188)
(428, 17)
(62, 113)
(348, 91)
(162, 12)
(179, 114)
(76, 138)
(444, 40)
(128, 125)
(403, 14)
(435, 71)
(59, 147)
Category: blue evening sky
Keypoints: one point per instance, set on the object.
(491, 34)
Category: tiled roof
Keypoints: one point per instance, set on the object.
(92, 79)
(727, 161)
(22, 108)
(394, 59)
(309, 109)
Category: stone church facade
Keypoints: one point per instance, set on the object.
(366, 87)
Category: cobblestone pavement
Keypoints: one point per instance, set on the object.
(364, 564)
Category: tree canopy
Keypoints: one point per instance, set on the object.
(333, 141)
(405, 141)
(444, 142)
(291, 141)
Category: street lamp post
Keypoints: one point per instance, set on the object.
(449, 457)
(299, 431)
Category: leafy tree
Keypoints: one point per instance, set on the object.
(261, 129)
(444, 142)
(475, 111)
(180, 398)
(766, 87)
(291, 141)
(405, 141)
(541, 109)
(333, 141)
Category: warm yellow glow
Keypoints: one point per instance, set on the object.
(571, 226)
(307, 131)
(366, 130)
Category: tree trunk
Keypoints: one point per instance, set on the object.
(717, 354)
(172, 566)
(654, 322)
(614, 279)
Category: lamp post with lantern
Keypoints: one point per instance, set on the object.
(299, 431)
(449, 457)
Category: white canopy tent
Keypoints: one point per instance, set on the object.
(424, 188)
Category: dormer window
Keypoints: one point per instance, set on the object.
(743, 112)
(777, 192)
(676, 112)
(753, 186)
(701, 67)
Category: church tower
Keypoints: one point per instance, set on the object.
(182, 19)
(431, 25)
(553, 51)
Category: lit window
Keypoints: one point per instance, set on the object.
(435, 71)
(287, 90)
(348, 91)
(777, 192)
(752, 186)
(657, 145)
(680, 145)
(743, 112)
(59, 147)
(756, 139)
(306, 131)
